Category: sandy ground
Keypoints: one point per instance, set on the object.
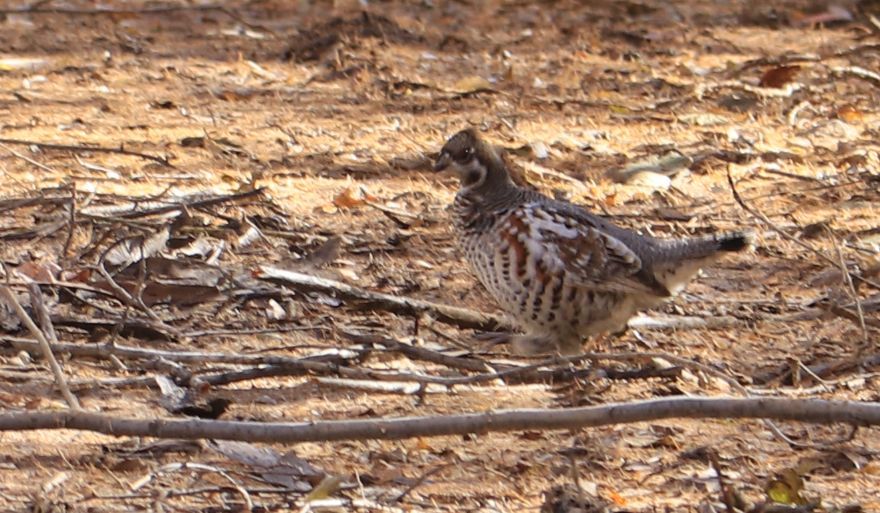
(332, 110)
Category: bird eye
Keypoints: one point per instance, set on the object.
(467, 153)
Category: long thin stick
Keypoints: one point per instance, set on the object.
(804, 410)
(461, 317)
(60, 381)
(98, 149)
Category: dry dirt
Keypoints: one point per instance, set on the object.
(336, 113)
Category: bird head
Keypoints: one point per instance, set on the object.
(475, 163)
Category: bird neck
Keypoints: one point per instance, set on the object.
(477, 207)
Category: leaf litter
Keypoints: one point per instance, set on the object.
(302, 141)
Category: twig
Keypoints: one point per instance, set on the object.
(139, 353)
(39, 306)
(825, 369)
(644, 322)
(418, 353)
(76, 147)
(387, 387)
(176, 467)
(72, 228)
(795, 111)
(27, 159)
(760, 215)
(804, 410)
(858, 72)
(461, 317)
(60, 380)
(850, 287)
(128, 299)
(131, 213)
(418, 482)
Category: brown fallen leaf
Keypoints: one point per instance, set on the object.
(779, 76)
(850, 114)
(45, 272)
(350, 198)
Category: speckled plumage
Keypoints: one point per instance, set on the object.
(561, 273)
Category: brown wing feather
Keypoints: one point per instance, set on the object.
(587, 254)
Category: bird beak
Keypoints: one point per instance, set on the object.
(443, 162)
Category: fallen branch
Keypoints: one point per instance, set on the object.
(461, 317)
(644, 322)
(803, 410)
(97, 149)
(144, 207)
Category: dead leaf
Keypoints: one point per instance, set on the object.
(872, 468)
(473, 84)
(786, 488)
(325, 488)
(43, 272)
(249, 235)
(350, 198)
(850, 114)
(779, 76)
(287, 470)
(616, 498)
(134, 249)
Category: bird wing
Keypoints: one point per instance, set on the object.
(591, 257)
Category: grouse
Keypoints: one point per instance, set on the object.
(562, 273)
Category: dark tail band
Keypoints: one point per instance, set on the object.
(737, 241)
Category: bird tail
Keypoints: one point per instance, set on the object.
(734, 241)
(700, 248)
(682, 259)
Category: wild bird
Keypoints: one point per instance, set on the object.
(562, 273)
